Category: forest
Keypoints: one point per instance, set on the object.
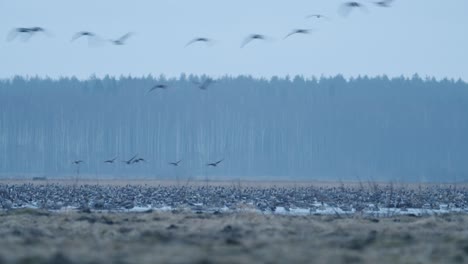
(290, 128)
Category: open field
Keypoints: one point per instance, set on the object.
(226, 182)
(36, 236)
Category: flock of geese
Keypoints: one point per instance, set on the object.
(26, 33)
(135, 159)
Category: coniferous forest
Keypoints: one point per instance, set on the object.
(402, 129)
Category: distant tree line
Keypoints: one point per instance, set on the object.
(364, 128)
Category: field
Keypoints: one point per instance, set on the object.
(37, 236)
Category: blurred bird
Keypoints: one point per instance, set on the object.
(347, 7)
(175, 163)
(384, 3)
(251, 38)
(121, 41)
(111, 160)
(83, 34)
(158, 86)
(205, 84)
(205, 40)
(77, 162)
(318, 16)
(26, 33)
(214, 164)
(139, 160)
(130, 160)
(298, 31)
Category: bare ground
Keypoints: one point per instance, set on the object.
(32, 236)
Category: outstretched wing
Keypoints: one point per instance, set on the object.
(125, 37)
(13, 34)
(290, 34)
(247, 41)
(191, 42)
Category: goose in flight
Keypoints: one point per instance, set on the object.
(214, 164)
(195, 40)
(111, 160)
(384, 3)
(130, 161)
(347, 7)
(121, 41)
(251, 38)
(175, 163)
(205, 84)
(158, 86)
(26, 33)
(298, 31)
(83, 34)
(139, 160)
(318, 16)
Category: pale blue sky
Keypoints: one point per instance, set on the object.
(427, 37)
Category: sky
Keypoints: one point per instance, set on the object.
(426, 37)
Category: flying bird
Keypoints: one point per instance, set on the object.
(121, 41)
(318, 16)
(130, 160)
(77, 162)
(298, 31)
(139, 160)
(158, 86)
(205, 84)
(384, 3)
(251, 38)
(111, 160)
(214, 164)
(175, 163)
(205, 40)
(347, 7)
(25, 32)
(83, 34)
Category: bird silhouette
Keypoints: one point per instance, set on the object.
(27, 33)
(347, 7)
(384, 3)
(318, 16)
(83, 34)
(130, 160)
(158, 86)
(214, 164)
(111, 160)
(205, 84)
(77, 162)
(121, 41)
(298, 31)
(251, 38)
(205, 40)
(139, 160)
(175, 163)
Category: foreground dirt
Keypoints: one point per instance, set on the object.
(31, 236)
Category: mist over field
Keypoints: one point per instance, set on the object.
(327, 128)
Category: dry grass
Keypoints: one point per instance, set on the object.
(232, 182)
(30, 236)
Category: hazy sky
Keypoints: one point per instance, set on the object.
(427, 37)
